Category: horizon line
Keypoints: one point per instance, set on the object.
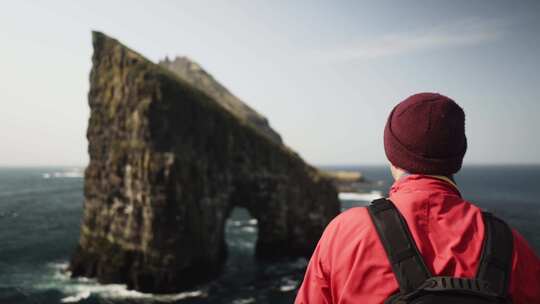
(318, 165)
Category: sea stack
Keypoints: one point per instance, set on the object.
(168, 163)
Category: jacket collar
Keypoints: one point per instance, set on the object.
(423, 182)
(446, 179)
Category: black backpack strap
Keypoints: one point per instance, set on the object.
(496, 261)
(406, 261)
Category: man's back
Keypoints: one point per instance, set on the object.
(349, 264)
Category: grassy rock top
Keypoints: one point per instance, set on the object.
(195, 75)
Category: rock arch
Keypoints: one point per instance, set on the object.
(167, 164)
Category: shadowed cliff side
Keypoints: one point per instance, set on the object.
(195, 75)
(167, 165)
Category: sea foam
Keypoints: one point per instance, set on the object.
(77, 289)
(361, 197)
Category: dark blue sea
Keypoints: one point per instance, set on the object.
(41, 208)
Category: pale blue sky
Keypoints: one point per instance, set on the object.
(326, 74)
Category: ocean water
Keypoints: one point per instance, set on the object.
(41, 208)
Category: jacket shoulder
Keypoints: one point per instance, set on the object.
(352, 226)
(352, 255)
(356, 218)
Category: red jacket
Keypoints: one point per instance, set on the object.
(349, 264)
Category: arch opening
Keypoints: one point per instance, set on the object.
(241, 234)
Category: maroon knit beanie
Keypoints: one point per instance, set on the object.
(425, 134)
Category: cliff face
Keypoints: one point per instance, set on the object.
(167, 165)
(195, 75)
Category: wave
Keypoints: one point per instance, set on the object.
(361, 197)
(249, 229)
(78, 289)
(18, 192)
(283, 278)
(242, 223)
(76, 298)
(72, 173)
(244, 301)
(288, 284)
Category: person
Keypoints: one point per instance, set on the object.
(425, 142)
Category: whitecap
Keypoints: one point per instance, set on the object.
(285, 288)
(235, 223)
(181, 296)
(77, 289)
(361, 197)
(241, 244)
(71, 173)
(58, 265)
(76, 298)
(244, 301)
(288, 285)
(249, 229)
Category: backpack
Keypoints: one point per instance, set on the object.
(418, 286)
